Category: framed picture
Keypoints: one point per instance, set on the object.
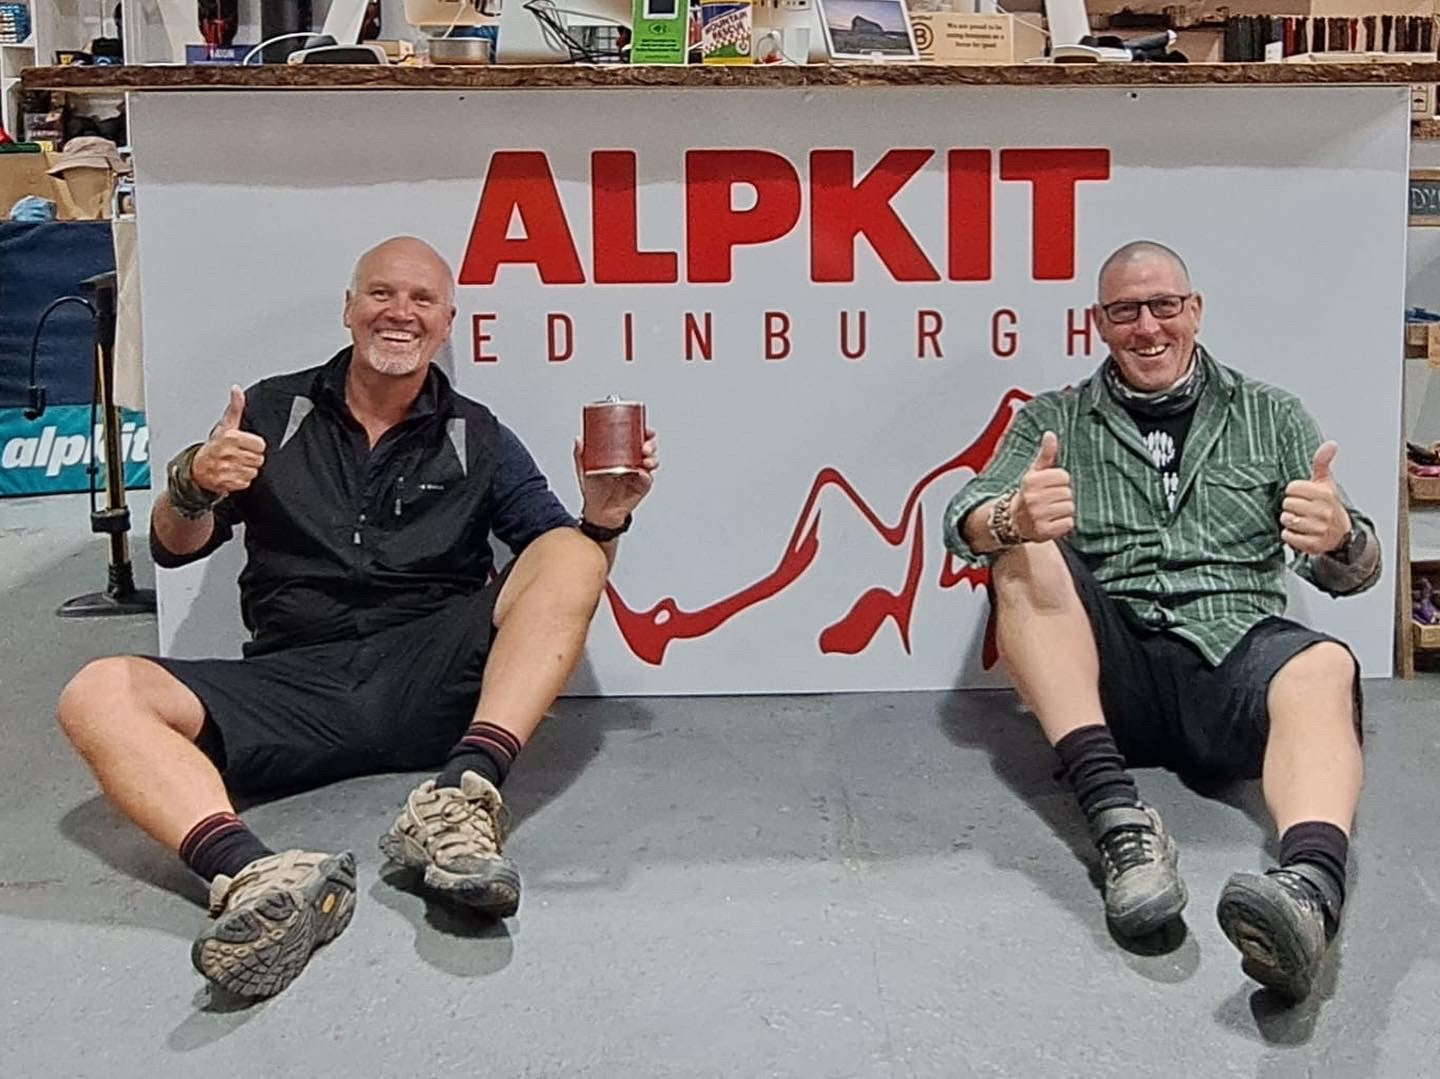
(867, 30)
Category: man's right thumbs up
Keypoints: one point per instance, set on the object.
(230, 421)
(232, 457)
(1049, 455)
(1044, 506)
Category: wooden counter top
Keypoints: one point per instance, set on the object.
(586, 77)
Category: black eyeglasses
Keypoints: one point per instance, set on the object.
(1161, 307)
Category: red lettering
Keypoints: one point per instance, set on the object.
(1004, 343)
(1053, 175)
(520, 182)
(480, 338)
(714, 228)
(629, 337)
(777, 335)
(845, 349)
(694, 336)
(614, 226)
(927, 329)
(841, 210)
(556, 320)
(969, 211)
(1084, 331)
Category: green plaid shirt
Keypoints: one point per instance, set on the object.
(1213, 566)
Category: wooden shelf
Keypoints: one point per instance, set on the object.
(1427, 638)
(1423, 488)
(661, 77)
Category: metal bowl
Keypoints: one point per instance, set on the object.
(460, 50)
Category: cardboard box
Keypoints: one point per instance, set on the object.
(85, 196)
(1199, 46)
(947, 37)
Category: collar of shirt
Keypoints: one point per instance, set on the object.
(434, 396)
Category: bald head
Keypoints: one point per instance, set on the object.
(400, 307)
(408, 249)
(1133, 253)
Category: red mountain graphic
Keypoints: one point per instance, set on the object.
(649, 633)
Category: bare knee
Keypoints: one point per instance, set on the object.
(1326, 669)
(128, 687)
(1033, 576)
(85, 697)
(567, 567)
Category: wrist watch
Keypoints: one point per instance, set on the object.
(601, 534)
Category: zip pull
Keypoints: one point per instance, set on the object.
(397, 505)
(357, 529)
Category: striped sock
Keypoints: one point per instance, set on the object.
(221, 844)
(486, 749)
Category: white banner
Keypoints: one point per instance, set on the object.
(830, 302)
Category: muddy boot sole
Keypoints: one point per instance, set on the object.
(258, 950)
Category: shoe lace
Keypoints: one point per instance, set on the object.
(1123, 849)
(457, 823)
(277, 873)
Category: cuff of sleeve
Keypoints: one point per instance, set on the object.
(960, 507)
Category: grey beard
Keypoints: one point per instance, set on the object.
(1167, 402)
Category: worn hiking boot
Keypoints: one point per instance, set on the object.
(1143, 889)
(1282, 922)
(269, 918)
(455, 834)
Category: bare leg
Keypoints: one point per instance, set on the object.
(1049, 649)
(542, 617)
(1313, 766)
(1045, 639)
(136, 725)
(1282, 921)
(455, 834)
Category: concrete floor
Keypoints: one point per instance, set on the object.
(859, 885)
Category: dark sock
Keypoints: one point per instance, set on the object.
(221, 844)
(1095, 769)
(1322, 845)
(486, 749)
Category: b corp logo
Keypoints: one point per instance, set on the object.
(922, 36)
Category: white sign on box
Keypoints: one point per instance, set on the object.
(829, 320)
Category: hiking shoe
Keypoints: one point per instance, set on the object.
(1143, 889)
(455, 835)
(269, 918)
(1282, 921)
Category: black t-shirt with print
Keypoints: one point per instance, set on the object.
(1164, 436)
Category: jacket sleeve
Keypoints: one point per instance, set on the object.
(1005, 470)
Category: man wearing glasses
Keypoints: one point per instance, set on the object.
(1136, 527)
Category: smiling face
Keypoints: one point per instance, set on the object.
(400, 307)
(1152, 353)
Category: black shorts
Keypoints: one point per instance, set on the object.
(397, 700)
(1168, 707)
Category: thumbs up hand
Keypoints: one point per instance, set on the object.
(1313, 520)
(231, 458)
(1044, 507)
